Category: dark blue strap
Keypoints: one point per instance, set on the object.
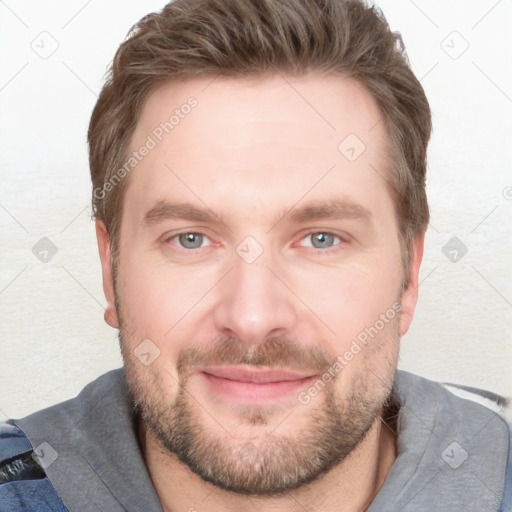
(24, 486)
(30, 496)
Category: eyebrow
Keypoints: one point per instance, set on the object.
(165, 210)
(322, 210)
(312, 211)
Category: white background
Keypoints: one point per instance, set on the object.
(53, 338)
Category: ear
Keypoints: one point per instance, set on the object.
(104, 248)
(410, 293)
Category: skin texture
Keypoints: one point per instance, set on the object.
(251, 153)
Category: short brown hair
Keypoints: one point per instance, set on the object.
(250, 38)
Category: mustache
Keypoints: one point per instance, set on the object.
(274, 352)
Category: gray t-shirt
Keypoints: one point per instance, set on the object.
(452, 453)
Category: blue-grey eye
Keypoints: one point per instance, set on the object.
(322, 240)
(191, 240)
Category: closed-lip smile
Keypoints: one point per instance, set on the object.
(250, 383)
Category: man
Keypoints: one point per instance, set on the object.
(258, 172)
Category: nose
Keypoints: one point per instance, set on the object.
(254, 304)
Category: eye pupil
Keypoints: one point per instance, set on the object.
(322, 240)
(191, 240)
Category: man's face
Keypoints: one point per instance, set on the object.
(255, 252)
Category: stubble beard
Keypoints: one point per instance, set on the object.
(267, 464)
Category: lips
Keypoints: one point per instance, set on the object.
(251, 385)
(255, 375)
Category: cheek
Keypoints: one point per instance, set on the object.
(349, 298)
(161, 303)
(150, 345)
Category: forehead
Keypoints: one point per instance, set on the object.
(258, 142)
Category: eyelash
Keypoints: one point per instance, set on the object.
(323, 251)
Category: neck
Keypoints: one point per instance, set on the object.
(349, 487)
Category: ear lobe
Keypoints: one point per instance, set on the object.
(104, 248)
(410, 293)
